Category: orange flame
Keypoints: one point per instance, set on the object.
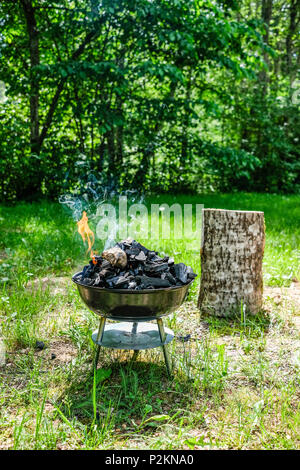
(87, 234)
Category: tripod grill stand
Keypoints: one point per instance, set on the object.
(133, 335)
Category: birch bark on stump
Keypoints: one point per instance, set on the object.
(232, 249)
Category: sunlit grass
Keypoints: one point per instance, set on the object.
(234, 386)
(41, 238)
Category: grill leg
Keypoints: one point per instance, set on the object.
(164, 346)
(135, 351)
(99, 339)
(135, 355)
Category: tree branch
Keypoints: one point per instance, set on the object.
(33, 35)
(89, 37)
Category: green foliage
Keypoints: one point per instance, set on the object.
(135, 89)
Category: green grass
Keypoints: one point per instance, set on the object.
(236, 383)
(41, 238)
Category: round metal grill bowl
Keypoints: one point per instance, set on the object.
(132, 305)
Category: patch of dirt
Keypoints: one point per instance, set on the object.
(279, 294)
(64, 352)
(287, 299)
(280, 346)
(58, 352)
(253, 363)
(57, 285)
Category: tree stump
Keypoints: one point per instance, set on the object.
(232, 249)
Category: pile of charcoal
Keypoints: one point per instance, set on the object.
(129, 265)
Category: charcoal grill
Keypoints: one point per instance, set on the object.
(133, 309)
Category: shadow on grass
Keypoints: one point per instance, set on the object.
(130, 393)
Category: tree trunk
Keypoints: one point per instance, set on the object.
(186, 122)
(119, 146)
(266, 16)
(148, 151)
(290, 38)
(232, 250)
(53, 104)
(33, 35)
(111, 149)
